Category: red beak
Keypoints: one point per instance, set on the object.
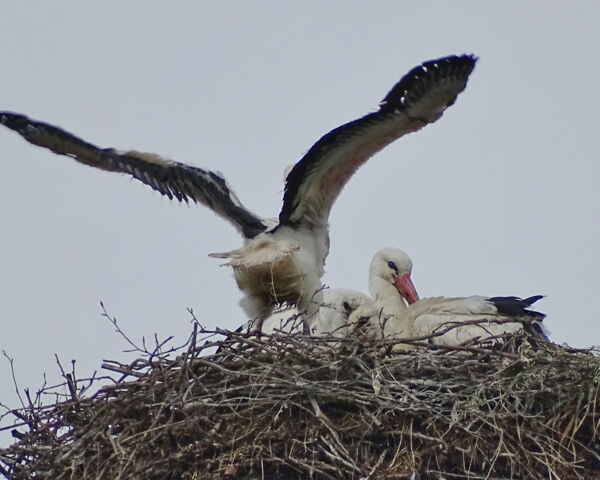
(405, 287)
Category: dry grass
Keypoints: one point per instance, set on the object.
(291, 408)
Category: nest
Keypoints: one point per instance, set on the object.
(286, 407)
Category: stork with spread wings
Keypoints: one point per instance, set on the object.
(280, 262)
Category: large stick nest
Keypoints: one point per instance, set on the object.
(279, 407)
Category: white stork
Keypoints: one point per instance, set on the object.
(280, 262)
(331, 319)
(397, 312)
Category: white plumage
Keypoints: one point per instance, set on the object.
(464, 320)
(331, 319)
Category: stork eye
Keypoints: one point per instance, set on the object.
(393, 266)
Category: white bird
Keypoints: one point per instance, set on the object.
(280, 262)
(331, 321)
(331, 318)
(397, 312)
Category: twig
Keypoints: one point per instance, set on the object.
(14, 378)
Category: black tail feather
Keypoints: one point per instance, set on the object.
(516, 307)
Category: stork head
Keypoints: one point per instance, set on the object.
(393, 266)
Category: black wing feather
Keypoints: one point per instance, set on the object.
(517, 307)
(419, 98)
(170, 178)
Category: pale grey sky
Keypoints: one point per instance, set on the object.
(499, 197)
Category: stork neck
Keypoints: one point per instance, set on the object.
(386, 295)
(393, 307)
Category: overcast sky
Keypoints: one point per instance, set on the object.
(500, 197)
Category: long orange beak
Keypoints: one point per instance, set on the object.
(406, 288)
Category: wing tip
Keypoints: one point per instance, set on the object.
(15, 121)
(453, 70)
(515, 306)
(422, 78)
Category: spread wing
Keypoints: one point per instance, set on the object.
(418, 99)
(170, 178)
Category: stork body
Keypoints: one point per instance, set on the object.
(459, 321)
(397, 313)
(283, 267)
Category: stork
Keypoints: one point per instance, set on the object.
(280, 262)
(396, 311)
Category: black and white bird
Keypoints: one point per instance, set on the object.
(397, 312)
(281, 262)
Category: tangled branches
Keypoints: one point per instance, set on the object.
(279, 407)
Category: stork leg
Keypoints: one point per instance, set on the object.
(310, 309)
(257, 324)
(257, 310)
